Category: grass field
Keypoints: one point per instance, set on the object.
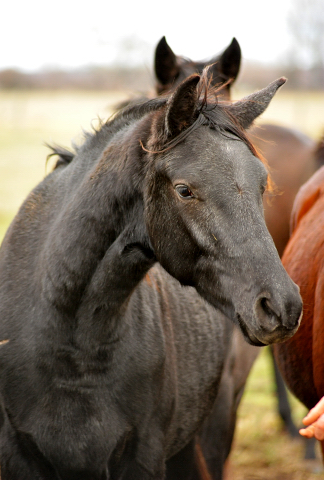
(28, 120)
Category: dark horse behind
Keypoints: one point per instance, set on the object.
(117, 279)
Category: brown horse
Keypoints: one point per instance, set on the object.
(302, 359)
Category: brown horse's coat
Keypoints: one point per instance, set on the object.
(301, 358)
(291, 159)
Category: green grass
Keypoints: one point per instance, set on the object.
(262, 449)
(28, 120)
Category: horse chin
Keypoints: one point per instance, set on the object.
(248, 336)
(228, 311)
(252, 340)
(256, 342)
(262, 339)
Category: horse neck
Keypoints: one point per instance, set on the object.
(98, 249)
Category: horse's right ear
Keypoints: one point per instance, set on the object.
(226, 66)
(165, 63)
(249, 108)
(230, 60)
(182, 107)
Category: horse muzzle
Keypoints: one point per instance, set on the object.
(272, 322)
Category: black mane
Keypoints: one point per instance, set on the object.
(210, 112)
(65, 156)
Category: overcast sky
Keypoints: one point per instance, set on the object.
(67, 33)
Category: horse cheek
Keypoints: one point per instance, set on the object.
(173, 248)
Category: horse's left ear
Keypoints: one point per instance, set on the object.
(165, 64)
(182, 106)
(228, 63)
(249, 108)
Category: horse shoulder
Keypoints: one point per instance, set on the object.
(299, 356)
(307, 196)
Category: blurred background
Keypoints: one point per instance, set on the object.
(64, 64)
(109, 44)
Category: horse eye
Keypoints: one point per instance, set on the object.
(184, 191)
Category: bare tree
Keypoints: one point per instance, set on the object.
(306, 25)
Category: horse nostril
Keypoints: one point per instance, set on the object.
(268, 308)
(268, 315)
(272, 317)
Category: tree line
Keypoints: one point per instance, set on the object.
(140, 80)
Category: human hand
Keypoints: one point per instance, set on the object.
(314, 421)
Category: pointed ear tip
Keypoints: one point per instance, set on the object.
(281, 81)
(194, 79)
(162, 41)
(188, 84)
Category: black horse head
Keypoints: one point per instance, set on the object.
(171, 69)
(204, 212)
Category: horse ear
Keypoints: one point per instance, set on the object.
(165, 63)
(227, 65)
(249, 108)
(182, 106)
(230, 60)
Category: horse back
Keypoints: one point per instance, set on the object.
(307, 197)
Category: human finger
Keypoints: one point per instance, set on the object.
(307, 432)
(314, 413)
(319, 428)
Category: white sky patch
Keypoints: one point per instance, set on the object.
(68, 33)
